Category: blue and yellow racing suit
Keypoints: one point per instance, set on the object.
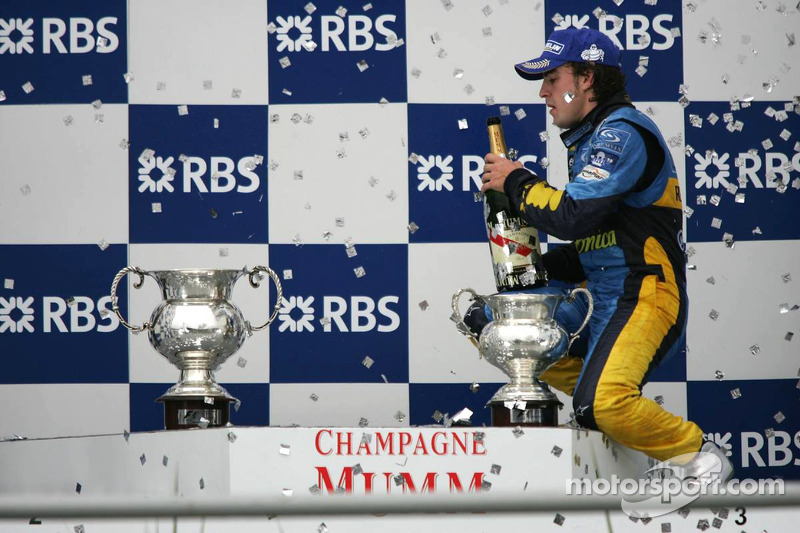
(622, 211)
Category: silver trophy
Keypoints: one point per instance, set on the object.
(197, 328)
(523, 341)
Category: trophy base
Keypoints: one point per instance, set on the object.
(537, 413)
(188, 413)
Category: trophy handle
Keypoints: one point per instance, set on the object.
(588, 314)
(137, 285)
(459, 320)
(254, 283)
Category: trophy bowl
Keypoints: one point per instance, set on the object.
(196, 327)
(523, 340)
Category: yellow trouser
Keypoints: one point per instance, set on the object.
(608, 396)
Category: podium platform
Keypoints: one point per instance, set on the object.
(246, 462)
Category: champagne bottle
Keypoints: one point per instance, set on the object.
(514, 244)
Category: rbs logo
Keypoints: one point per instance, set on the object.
(435, 172)
(636, 30)
(76, 315)
(354, 33)
(77, 35)
(359, 314)
(156, 174)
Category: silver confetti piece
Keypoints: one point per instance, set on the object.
(736, 393)
(285, 449)
(779, 417)
(559, 519)
(367, 361)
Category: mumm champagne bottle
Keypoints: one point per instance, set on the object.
(514, 244)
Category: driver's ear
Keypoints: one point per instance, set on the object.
(586, 80)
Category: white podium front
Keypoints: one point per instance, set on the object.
(324, 463)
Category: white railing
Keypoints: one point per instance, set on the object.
(81, 507)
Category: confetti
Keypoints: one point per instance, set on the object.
(462, 124)
(755, 349)
(360, 272)
(714, 314)
(412, 227)
(424, 305)
(241, 362)
(779, 417)
(285, 449)
(556, 451)
(367, 361)
(559, 519)
(736, 393)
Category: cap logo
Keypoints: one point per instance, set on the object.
(536, 65)
(593, 54)
(553, 47)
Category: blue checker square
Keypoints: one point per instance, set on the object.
(443, 182)
(209, 183)
(449, 398)
(327, 328)
(147, 414)
(646, 35)
(53, 45)
(757, 421)
(761, 171)
(355, 54)
(57, 319)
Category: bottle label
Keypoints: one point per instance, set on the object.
(515, 244)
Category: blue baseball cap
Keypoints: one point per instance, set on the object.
(577, 45)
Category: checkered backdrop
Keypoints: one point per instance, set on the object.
(309, 138)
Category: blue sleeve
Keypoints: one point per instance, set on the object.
(614, 164)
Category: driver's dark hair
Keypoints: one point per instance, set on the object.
(608, 81)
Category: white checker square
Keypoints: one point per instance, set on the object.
(672, 393)
(764, 54)
(487, 62)
(183, 43)
(147, 365)
(75, 178)
(747, 292)
(438, 353)
(338, 404)
(336, 174)
(60, 410)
